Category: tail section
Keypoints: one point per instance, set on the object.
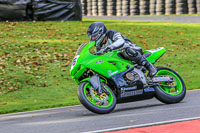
(155, 54)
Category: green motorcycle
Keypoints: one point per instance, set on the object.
(107, 79)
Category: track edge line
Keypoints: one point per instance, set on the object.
(144, 125)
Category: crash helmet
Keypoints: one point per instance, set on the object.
(96, 32)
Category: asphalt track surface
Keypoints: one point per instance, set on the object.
(75, 119)
(179, 19)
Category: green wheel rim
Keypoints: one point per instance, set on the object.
(95, 102)
(171, 90)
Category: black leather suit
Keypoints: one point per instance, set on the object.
(129, 50)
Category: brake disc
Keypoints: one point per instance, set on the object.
(94, 95)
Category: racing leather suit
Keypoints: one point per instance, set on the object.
(116, 41)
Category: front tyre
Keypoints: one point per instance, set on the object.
(170, 95)
(100, 104)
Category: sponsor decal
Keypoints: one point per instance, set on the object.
(129, 88)
(131, 93)
(149, 90)
(157, 79)
(99, 62)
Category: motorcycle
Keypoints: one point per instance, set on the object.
(108, 79)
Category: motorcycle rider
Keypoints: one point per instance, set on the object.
(108, 40)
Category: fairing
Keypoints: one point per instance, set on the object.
(155, 54)
(107, 65)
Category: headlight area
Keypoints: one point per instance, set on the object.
(86, 74)
(77, 72)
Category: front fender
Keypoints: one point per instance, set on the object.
(84, 80)
(95, 81)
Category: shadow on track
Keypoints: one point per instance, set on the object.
(122, 109)
(138, 107)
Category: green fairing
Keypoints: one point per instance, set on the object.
(155, 54)
(107, 65)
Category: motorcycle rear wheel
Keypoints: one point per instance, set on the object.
(91, 101)
(170, 95)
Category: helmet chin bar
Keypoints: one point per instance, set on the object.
(98, 42)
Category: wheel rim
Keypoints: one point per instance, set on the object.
(171, 90)
(93, 101)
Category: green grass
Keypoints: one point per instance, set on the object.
(35, 58)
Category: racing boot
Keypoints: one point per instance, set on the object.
(136, 56)
(150, 67)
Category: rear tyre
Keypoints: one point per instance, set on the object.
(167, 94)
(92, 101)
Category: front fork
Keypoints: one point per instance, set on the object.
(96, 84)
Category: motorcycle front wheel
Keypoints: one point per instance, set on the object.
(97, 103)
(170, 95)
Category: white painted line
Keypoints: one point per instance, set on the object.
(144, 125)
(35, 111)
(193, 90)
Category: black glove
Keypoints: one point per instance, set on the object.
(107, 49)
(98, 53)
(104, 50)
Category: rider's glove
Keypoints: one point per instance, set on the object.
(104, 50)
(107, 49)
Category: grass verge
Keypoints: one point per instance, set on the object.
(35, 58)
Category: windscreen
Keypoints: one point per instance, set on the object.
(81, 48)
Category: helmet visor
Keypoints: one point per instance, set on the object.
(93, 37)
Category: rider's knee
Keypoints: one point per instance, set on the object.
(131, 52)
